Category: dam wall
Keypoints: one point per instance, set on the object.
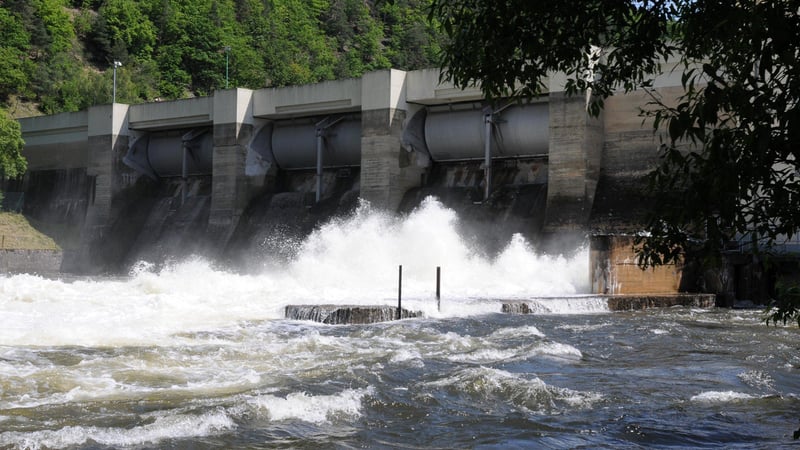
(214, 168)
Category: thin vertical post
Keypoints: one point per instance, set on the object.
(438, 288)
(487, 161)
(184, 174)
(399, 290)
(114, 92)
(320, 145)
(227, 53)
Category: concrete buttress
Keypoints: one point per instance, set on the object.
(387, 171)
(231, 188)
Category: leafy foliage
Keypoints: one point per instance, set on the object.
(59, 53)
(412, 37)
(14, 64)
(511, 46)
(12, 164)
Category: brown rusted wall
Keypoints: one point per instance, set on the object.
(614, 269)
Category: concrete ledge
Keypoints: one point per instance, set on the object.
(347, 314)
(617, 302)
(41, 262)
(636, 302)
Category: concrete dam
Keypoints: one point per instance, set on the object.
(223, 175)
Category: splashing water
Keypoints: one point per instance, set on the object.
(191, 356)
(346, 261)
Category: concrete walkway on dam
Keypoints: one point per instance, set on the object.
(119, 177)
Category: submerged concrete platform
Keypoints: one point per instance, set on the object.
(636, 302)
(629, 302)
(347, 314)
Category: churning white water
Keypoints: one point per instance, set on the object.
(192, 356)
(347, 261)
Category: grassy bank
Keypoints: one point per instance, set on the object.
(17, 234)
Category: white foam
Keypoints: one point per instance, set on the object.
(558, 350)
(348, 261)
(527, 394)
(721, 397)
(486, 355)
(359, 258)
(758, 379)
(528, 331)
(584, 327)
(316, 409)
(163, 428)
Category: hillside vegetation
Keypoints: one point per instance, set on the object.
(57, 55)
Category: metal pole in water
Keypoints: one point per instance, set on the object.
(399, 290)
(487, 161)
(438, 288)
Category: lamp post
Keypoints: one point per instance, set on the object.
(114, 94)
(227, 52)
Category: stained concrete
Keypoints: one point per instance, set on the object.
(40, 262)
(622, 302)
(345, 315)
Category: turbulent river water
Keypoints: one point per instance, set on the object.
(193, 356)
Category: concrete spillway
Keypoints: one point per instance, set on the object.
(611, 302)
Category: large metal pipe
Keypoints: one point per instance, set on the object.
(173, 153)
(294, 143)
(458, 135)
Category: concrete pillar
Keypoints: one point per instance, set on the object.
(575, 153)
(231, 188)
(107, 142)
(107, 145)
(387, 171)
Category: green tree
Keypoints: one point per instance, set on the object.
(193, 36)
(122, 29)
(358, 35)
(730, 161)
(14, 63)
(12, 163)
(57, 23)
(298, 50)
(412, 41)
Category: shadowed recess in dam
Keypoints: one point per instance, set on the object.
(351, 260)
(516, 205)
(173, 229)
(356, 257)
(275, 223)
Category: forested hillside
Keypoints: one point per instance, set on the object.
(57, 55)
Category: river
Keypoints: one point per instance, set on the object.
(190, 355)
